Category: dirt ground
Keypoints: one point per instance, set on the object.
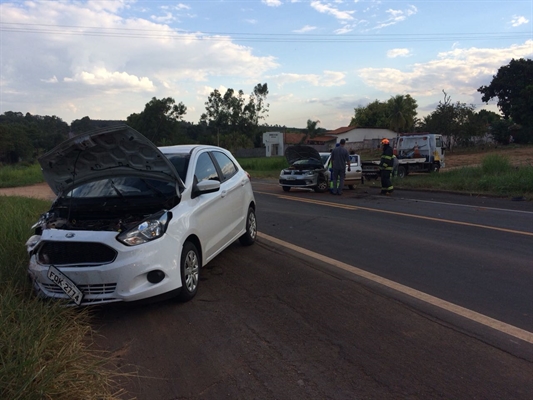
(519, 156)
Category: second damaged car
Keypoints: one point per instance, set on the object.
(309, 169)
(132, 221)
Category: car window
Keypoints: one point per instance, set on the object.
(227, 166)
(205, 169)
(181, 163)
(354, 159)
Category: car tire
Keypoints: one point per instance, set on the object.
(248, 238)
(402, 172)
(322, 186)
(286, 188)
(190, 272)
(351, 187)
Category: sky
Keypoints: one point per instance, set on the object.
(106, 59)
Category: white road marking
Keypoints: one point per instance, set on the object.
(443, 304)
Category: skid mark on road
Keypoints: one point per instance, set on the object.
(349, 207)
(435, 301)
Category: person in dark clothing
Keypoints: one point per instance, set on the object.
(340, 159)
(386, 165)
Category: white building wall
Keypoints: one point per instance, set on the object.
(273, 142)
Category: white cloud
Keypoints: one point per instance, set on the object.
(51, 80)
(458, 70)
(518, 20)
(328, 79)
(272, 3)
(327, 9)
(163, 19)
(393, 53)
(112, 80)
(397, 16)
(306, 28)
(132, 58)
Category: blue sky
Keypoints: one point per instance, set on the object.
(321, 59)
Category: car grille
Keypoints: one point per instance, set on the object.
(294, 182)
(294, 172)
(75, 253)
(98, 289)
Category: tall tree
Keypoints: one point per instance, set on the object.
(311, 131)
(374, 115)
(513, 86)
(457, 123)
(231, 113)
(398, 113)
(402, 113)
(159, 121)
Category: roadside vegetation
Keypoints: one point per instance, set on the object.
(20, 175)
(45, 349)
(495, 176)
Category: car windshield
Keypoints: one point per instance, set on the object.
(123, 187)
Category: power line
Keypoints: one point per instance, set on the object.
(131, 33)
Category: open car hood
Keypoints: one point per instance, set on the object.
(104, 153)
(295, 153)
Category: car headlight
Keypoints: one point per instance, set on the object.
(310, 173)
(150, 229)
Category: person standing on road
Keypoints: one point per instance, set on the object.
(340, 159)
(386, 165)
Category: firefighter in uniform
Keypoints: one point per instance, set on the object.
(386, 165)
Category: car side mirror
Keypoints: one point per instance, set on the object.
(207, 186)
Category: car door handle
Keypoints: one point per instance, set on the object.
(223, 193)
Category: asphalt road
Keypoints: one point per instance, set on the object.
(418, 296)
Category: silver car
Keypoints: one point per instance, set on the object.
(309, 169)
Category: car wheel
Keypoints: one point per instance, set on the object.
(322, 186)
(250, 235)
(190, 271)
(286, 188)
(402, 172)
(351, 187)
(435, 167)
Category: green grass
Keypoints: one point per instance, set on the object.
(263, 167)
(496, 176)
(45, 349)
(14, 176)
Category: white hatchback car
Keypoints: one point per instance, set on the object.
(132, 221)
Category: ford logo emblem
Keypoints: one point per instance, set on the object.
(70, 235)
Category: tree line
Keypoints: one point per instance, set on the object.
(233, 120)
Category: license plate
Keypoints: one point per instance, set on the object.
(61, 280)
(291, 178)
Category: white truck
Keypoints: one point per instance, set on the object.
(415, 153)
